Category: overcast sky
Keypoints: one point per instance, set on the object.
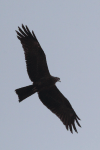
(69, 33)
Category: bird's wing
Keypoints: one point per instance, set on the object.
(34, 55)
(59, 105)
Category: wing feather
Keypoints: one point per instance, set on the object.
(35, 57)
(59, 105)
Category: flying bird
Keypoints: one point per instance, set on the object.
(43, 82)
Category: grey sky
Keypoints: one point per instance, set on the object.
(69, 33)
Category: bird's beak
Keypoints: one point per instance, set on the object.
(59, 81)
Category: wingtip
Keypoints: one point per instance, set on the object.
(78, 117)
(23, 26)
(18, 28)
(27, 29)
(71, 131)
(78, 123)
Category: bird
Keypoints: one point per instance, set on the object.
(43, 82)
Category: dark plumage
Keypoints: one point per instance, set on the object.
(43, 82)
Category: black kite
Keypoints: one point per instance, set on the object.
(43, 82)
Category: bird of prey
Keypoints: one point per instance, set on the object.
(43, 82)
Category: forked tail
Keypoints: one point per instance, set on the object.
(25, 92)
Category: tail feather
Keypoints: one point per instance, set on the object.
(25, 92)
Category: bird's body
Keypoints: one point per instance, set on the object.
(43, 82)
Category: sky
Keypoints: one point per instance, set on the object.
(69, 33)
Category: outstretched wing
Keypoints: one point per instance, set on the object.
(34, 55)
(59, 105)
